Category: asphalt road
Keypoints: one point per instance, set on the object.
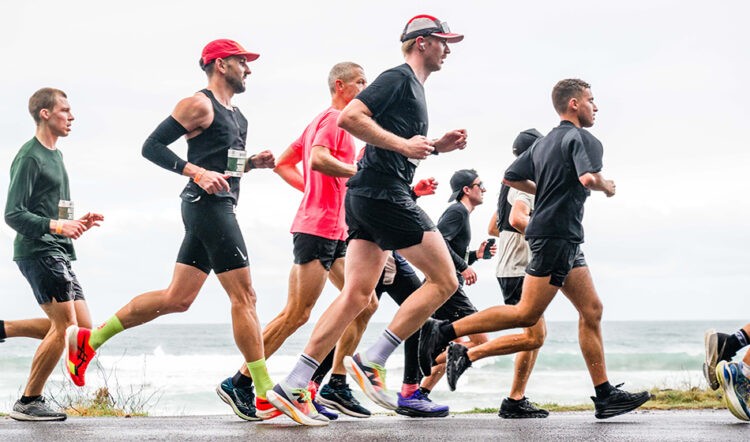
(640, 426)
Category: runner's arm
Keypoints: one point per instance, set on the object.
(519, 216)
(492, 229)
(322, 161)
(286, 168)
(596, 181)
(356, 119)
(527, 186)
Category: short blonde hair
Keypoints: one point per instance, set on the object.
(408, 45)
(344, 71)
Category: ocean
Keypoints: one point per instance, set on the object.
(176, 368)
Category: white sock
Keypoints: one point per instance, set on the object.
(745, 369)
(302, 372)
(383, 347)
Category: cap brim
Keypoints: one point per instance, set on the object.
(454, 195)
(250, 56)
(450, 38)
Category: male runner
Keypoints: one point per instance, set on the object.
(732, 377)
(319, 230)
(468, 193)
(40, 210)
(561, 170)
(216, 132)
(513, 209)
(391, 117)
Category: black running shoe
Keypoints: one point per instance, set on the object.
(456, 363)
(431, 344)
(522, 409)
(619, 402)
(341, 399)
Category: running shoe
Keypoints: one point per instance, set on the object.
(78, 353)
(320, 408)
(295, 403)
(736, 388)
(456, 363)
(341, 398)
(420, 405)
(371, 379)
(241, 400)
(521, 409)
(619, 402)
(431, 344)
(715, 344)
(264, 410)
(36, 410)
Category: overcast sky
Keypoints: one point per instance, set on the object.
(669, 77)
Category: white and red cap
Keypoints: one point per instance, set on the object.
(223, 48)
(424, 25)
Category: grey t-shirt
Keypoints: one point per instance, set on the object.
(513, 249)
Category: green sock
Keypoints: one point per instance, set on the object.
(260, 376)
(105, 331)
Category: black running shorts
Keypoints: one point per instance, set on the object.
(213, 240)
(511, 287)
(51, 277)
(554, 258)
(311, 247)
(392, 225)
(456, 307)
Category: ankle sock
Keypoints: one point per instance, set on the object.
(337, 380)
(603, 390)
(745, 369)
(241, 381)
(105, 331)
(383, 347)
(302, 372)
(448, 332)
(260, 376)
(425, 391)
(408, 389)
(28, 399)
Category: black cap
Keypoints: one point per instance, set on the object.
(524, 140)
(461, 178)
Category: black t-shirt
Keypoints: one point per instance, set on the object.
(396, 100)
(555, 162)
(456, 230)
(210, 148)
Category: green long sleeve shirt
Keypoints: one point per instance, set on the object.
(38, 181)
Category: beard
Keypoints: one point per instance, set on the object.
(236, 84)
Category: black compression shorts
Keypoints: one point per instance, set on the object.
(213, 240)
(391, 225)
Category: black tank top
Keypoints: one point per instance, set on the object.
(209, 150)
(503, 211)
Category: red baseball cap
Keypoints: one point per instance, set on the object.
(223, 48)
(424, 25)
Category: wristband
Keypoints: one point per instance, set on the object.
(250, 164)
(199, 175)
(58, 227)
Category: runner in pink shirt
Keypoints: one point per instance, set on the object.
(319, 230)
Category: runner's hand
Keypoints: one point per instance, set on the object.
(426, 186)
(213, 182)
(455, 139)
(71, 228)
(90, 220)
(469, 275)
(480, 250)
(418, 147)
(609, 188)
(263, 160)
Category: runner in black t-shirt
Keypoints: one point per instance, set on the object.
(391, 117)
(561, 169)
(454, 225)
